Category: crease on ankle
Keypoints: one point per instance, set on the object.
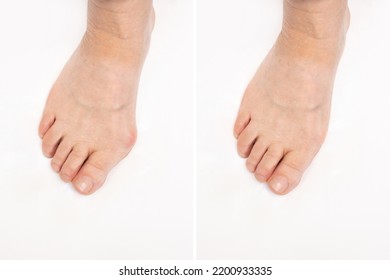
(316, 23)
(123, 23)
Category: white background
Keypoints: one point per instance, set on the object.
(144, 211)
(342, 207)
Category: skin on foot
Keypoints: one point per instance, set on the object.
(284, 114)
(89, 121)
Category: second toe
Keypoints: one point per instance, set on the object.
(73, 163)
(268, 163)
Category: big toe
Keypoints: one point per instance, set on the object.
(279, 184)
(93, 174)
(288, 173)
(84, 184)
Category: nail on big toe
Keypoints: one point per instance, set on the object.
(279, 184)
(84, 184)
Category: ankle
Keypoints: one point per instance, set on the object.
(119, 30)
(137, 9)
(315, 31)
(126, 20)
(319, 19)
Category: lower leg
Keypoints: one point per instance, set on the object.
(284, 114)
(88, 123)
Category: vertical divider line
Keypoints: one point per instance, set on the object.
(195, 131)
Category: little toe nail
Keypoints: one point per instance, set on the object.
(84, 184)
(279, 184)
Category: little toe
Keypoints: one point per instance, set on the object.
(73, 163)
(45, 124)
(246, 140)
(268, 163)
(62, 153)
(256, 154)
(50, 141)
(93, 173)
(241, 123)
(289, 172)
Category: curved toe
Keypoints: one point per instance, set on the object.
(279, 184)
(288, 173)
(245, 141)
(62, 153)
(268, 163)
(84, 185)
(46, 122)
(50, 141)
(55, 166)
(73, 163)
(93, 174)
(241, 123)
(256, 154)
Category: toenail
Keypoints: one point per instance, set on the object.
(260, 178)
(55, 167)
(250, 166)
(279, 184)
(65, 177)
(47, 155)
(243, 155)
(84, 184)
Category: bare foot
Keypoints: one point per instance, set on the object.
(284, 114)
(89, 121)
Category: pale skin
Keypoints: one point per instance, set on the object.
(89, 121)
(284, 115)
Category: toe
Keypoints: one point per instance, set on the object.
(241, 123)
(268, 163)
(256, 154)
(45, 124)
(289, 172)
(93, 173)
(73, 163)
(62, 153)
(246, 140)
(50, 141)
